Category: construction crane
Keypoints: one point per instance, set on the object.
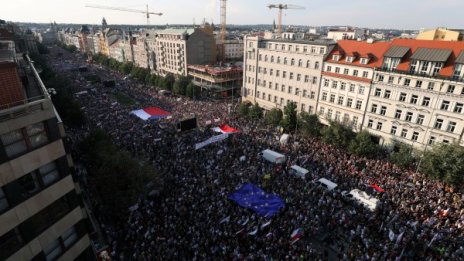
(147, 13)
(223, 30)
(280, 7)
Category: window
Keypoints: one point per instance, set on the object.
(355, 121)
(365, 74)
(444, 105)
(313, 94)
(14, 143)
(358, 105)
(282, 88)
(298, 77)
(390, 79)
(302, 107)
(337, 116)
(337, 69)
(404, 133)
(308, 64)
(284, 74)
(370, 123)
(69, 237)
(276, 86)
(430, 86)
(321, 111)
(415, 135)
(316, 65)
(408, 116)
(329, 113)
(305, 93)
(426, 101)
(383, 110)
(402, 97)
(432, 140)
(420, 119)
(278, 73)
(379, 126)
(355, 72)
(418, 84)
(380, 78)
(377, 92)
(451, 126)
(340, 100)
(445, 141)
(3, 202)
(278, 59)
(387, 94)
(292, 62)
(352, 87)
(291, 76)
(306, 78)
(450, 89)
(346, 71)
(300, 63)
(289, 89)
(349, 102)
(272, 58)
(342, 86)
(414, 99)
(314, 80)
(10, 242)
(407, 82)
(398, 114)
(332, 98)
(393, 130)
(297, 91)
(53, 250)
(285, 60)
(458, 107)
(361, 90)
(334, 84)
(270, 85)
(438, 124)
(326, 83)
(374, 108)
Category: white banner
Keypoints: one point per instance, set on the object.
(211, 140)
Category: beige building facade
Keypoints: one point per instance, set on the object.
(277, 72)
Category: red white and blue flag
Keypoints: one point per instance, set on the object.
(151, 113)
(224, 128)
(296, 235)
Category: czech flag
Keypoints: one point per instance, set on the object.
(151, 113)
(224, 128)
(296, 235)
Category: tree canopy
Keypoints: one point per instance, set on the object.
(309, 125)
(289, 121)
(273, 117)
(444, 162)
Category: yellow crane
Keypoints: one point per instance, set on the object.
(147, 13)
(280, 7)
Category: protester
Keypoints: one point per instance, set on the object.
(192, 218)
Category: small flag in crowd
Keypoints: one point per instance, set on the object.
(266, 224)
(225, 220)
(377, 188)
(224, 128)
(296, 235)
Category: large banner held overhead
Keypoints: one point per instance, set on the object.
(252, 197)
(151, 113)
(211, 140)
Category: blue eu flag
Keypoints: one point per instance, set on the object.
(252, 197)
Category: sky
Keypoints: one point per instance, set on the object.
(398, 14)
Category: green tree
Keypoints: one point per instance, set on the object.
(168, 82)
(363, 145)
(290, 117)
(338, 135)
(255, 112)
(126, 67)
(189, 91)
(273, 117)
(402, 155)
(309, 125)
(446, 163)
(180, 85)
(244, 109)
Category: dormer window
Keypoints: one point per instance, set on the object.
(349, 59)
(336, 57)
(364, 60)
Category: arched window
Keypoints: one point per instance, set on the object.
(308, 64)
(300, 63)
(272, 58)
(292, 62)
(265, 58)
(285, 60)
(316, 65)
(278, 59)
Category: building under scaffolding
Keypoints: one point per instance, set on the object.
(218, 81)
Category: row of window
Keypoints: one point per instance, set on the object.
(343, 86)
(26, 139)
(341, 100)
(346, 71)
(451, 88)
(291, 75)
(337, 116)
(287, 61)
(293, 48)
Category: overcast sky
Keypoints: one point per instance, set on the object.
(400, 14)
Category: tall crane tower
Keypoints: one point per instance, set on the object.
(146, 13)
(280, 7)
(223, 29)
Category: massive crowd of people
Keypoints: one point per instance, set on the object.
(192, 218)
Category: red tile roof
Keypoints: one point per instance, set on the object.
(413, 44)
(361, 49)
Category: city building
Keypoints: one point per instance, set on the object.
(219, 81)
(417, 93)
(233, 50)
(277, 72)
(175, 48)
(440, 34)
(116, 51)
(346, 81)
(40, 205)
(345, 33)
(140, 50)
